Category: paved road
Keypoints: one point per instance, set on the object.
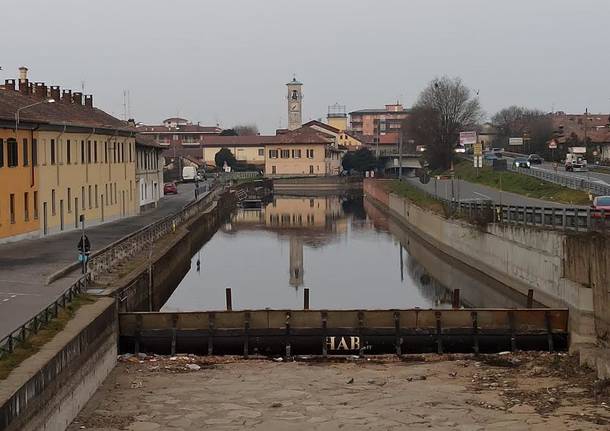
(25, 265)
(464, 190)
(596, 177)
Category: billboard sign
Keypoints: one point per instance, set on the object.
(468, 138)
(515, 141)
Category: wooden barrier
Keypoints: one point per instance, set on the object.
(315, 332)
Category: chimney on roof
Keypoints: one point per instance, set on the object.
(24, 85)
(40, 90)
(77, 98)
(9, 84)
(55, 92)
(66, 96)
(131, 122)
(23, 73)
(89, 100)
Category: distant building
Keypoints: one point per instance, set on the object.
(176, 134)
(246, 149)
(337, 117)
(383, 124)
(304, 151)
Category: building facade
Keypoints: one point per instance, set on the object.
(175, 134)
(303, 151)
(246, 149)
(79, 160)
(383, 124)
(149, 172)
(18, 184)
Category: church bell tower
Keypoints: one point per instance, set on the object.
(295, 104)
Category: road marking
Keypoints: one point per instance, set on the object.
(481, 194)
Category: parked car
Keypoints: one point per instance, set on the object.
(490, 156)
(535, 159)
(170, 189)
(521, 163)
(601, 203)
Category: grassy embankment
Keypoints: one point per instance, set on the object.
(415, 195)
(520, 184)
(34, 342)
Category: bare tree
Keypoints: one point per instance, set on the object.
(518, 121)
(246, 129)
(444, 109)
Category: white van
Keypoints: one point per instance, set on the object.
(189, 174)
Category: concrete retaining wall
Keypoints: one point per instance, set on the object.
(47, 390)
(517, 256)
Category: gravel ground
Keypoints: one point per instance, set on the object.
(521, 391)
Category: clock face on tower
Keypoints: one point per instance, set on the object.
(294, 107)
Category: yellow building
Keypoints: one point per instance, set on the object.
(18, 183)
(246, 149)
(82, 159)
(303, 151)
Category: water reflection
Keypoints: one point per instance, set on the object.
(346, 251)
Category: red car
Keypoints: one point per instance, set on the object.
(601, 203)
(170, 189)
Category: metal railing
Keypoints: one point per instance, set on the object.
(555, 177)
(106, 259)
(564, 218)
(569, 181)
(32, 326)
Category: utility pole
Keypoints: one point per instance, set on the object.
(400, 155)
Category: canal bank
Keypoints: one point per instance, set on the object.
(48, 389)
(524, 258)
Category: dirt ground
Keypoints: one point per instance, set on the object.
(520, 391)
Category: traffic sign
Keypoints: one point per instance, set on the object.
(468, 138)
(515, 141)
(478, 161)
(477, 149)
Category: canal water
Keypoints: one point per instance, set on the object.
(343, 249)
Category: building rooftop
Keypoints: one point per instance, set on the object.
(378, 111)
(62, 112)
(186, 128)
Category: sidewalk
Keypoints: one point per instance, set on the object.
(25, 265)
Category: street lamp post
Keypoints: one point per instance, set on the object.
(26, 107)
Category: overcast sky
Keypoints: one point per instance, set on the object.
(227, 62)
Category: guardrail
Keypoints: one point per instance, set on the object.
(564, 218)
(104, 260)
(563, 179)
(32, 326)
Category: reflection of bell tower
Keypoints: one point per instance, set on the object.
(296, 262)
(295, 104)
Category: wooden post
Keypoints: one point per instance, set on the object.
(455, 303)
(306, 299)
(530, 298)
(229, 300)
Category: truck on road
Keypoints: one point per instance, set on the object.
(575, 159)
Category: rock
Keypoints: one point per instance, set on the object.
(522, 409)
(504, 353)
(280, 359)
(452, 374)
(193, 367)
(276, 405)
(142, 355)
(350, 381)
